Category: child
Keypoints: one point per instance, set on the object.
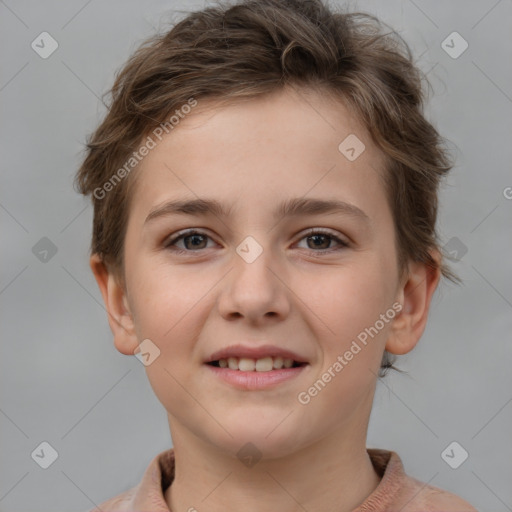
(287, 143)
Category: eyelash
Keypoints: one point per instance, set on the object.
(310, 233)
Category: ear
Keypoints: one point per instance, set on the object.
(415, 295)
(120, 317)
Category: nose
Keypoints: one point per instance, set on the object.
(254, 290)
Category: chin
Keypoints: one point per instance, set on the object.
(265, 439)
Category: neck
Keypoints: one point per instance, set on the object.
(333, 474)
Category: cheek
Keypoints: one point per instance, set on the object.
(164, 297)
(350, 303)
(169, 305)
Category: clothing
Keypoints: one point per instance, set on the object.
(395, 492)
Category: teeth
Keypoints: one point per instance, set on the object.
(262, 365)
(278, 362)
(246, 364)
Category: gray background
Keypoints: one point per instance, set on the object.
(62, 381)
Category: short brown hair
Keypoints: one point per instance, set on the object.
(255, 47)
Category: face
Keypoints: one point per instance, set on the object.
(308, 280)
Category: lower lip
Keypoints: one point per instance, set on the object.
(256, 380)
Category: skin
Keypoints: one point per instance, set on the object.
(250, 156)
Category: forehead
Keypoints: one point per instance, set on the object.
(257, 151)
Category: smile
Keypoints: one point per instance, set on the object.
(255, 374)
(264, 364)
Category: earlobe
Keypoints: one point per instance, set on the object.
(415, 296)
(120, 317)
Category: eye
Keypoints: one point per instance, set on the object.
(320, 239)
(193, 240)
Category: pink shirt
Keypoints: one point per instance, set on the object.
(396, 492)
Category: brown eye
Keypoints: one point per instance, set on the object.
(321, 241)
(192, 241)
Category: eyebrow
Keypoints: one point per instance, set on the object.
(288, 208)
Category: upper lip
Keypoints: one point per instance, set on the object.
(255, 353)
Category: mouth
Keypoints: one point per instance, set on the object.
(264, 373)
(263, 364)
(252, 368)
